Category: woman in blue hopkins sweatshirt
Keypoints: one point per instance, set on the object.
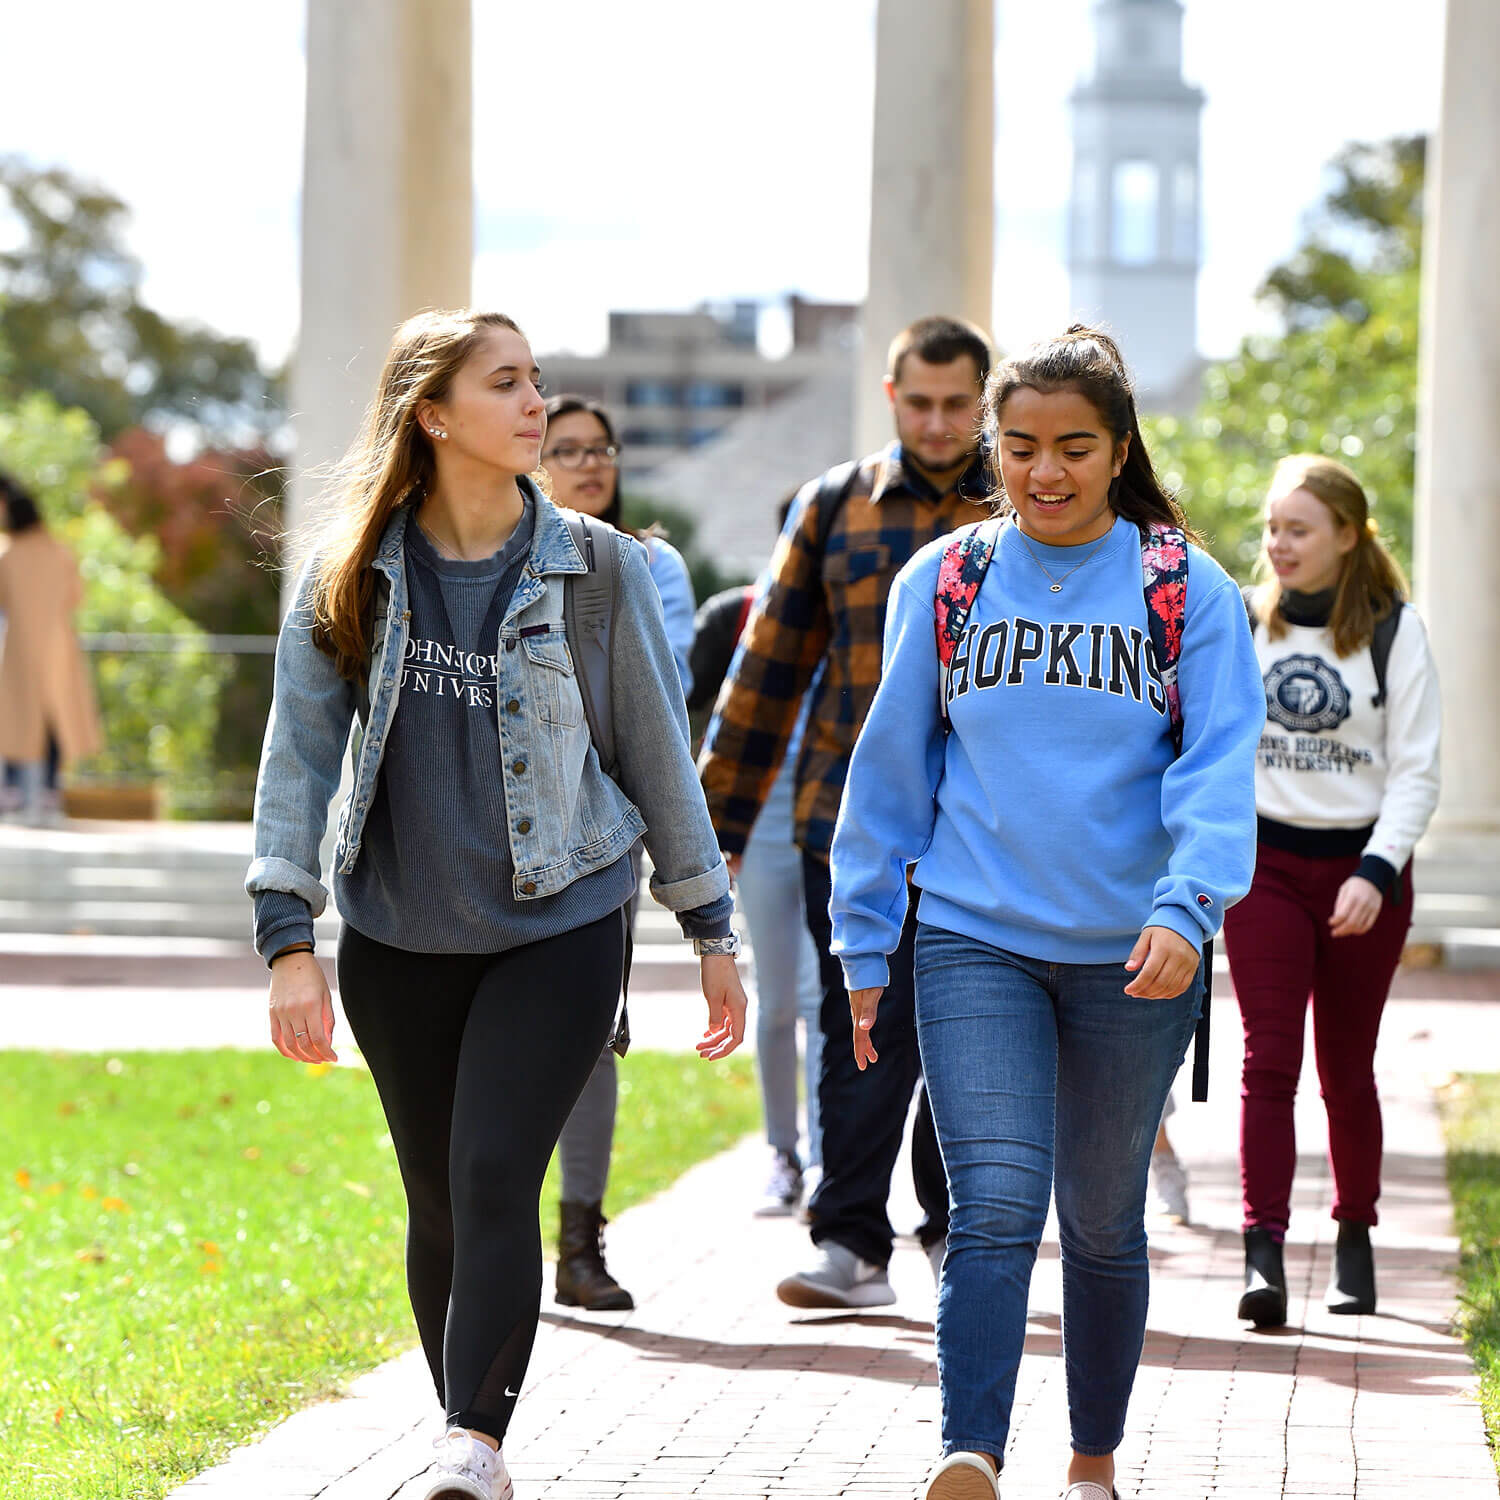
(581, 457)
(483, 861)
(1071, 866)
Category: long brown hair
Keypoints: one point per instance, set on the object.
(1370, 584)
(390, 462)
(1088, 361)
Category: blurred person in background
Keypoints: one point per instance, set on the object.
(769, 891)
(1345, 785)
(48, 716)
(815, 632)
(581, 458)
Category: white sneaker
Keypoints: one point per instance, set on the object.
(1087, 1489)
(811, 1177)
(838, 1278)
(1166, 1195)
(935, 1253)
(963, 1476)
(783, 1194)
(468, 1470)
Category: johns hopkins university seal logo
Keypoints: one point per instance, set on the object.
(1304, 693)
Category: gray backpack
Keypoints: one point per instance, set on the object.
(589, 621)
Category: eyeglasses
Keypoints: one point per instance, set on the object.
(575, 455)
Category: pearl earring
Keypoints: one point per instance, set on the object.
(437, 434)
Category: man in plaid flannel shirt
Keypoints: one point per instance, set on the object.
(818, 622)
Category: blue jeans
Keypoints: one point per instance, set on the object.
(1042, 1074)
(786, 969)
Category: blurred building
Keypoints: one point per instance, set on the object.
(674, 381)
(1134, 234)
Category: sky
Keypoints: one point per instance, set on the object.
(660, 153)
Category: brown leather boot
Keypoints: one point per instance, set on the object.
(583, 1280)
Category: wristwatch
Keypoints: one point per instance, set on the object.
(728, 946)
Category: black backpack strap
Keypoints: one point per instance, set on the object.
(589, 618)
(1380, 647)
(833, 491)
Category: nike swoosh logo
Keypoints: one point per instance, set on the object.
(512, 1394)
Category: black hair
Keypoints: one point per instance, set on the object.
(939, 341)
(1088, 361)
(21, 513)
(565, 406)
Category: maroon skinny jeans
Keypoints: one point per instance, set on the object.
(1280, 951)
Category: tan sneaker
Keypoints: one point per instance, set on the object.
(963, 1476)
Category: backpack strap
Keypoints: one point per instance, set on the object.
(833, 490)
(1380, 646)
(966, 559)
(588, 619)
(1164, 568)
(1164, 571)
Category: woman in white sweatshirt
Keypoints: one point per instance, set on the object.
(1346, 781)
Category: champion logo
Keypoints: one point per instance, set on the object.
(1204, 899)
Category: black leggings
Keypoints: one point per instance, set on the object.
(479, 1058)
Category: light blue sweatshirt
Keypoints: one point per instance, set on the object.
(675, 586)
(1053, 821)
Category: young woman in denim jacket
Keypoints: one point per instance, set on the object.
(482, 863)
(1071, 865)
(581, 461)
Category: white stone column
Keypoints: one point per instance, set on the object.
(1458, 482)
(932, 206)
(387, 203)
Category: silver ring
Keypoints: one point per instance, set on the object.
(299, 1033)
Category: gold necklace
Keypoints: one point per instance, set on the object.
(1055, 581)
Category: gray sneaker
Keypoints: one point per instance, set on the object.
(935, 1253)
(1167, 1189)
(838, 1278)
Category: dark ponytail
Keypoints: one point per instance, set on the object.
(1089, 362)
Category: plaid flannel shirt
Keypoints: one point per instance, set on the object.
(823, 605)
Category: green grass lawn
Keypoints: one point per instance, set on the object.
(1471, 1121)
(193, 1245)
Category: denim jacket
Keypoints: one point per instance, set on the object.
(566, 817)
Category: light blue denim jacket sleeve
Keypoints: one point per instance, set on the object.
(675, 585)
(312, 711)
(652, 742)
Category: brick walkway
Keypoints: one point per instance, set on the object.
(712, 1388)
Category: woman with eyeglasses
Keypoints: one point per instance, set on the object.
(582, 461)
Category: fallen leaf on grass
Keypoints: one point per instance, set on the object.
(23, 1179)
(89, 1191)
(251, 1153)
(67, 1107)
(209, 1248)
(360, 1188)
(115, 1206)
(95, 1254)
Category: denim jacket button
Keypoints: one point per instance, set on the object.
(519, 767)
(524, 826)
(529, 889)
(514, 706)
(510, 645)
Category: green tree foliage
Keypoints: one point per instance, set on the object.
(1339, 377)
(72, 322)
(159, 710)
(217, 522)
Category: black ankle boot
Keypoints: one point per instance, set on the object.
(1351, 1289)
(582, 1278)
(1264, 1299)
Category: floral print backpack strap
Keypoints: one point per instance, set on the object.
(966, 559)
(1164, 570)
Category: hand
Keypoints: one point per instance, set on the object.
(862, 1007)
(1167, 963)
(1355, 908)
(726, 1006)
(734, 861)
(301, 1009)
